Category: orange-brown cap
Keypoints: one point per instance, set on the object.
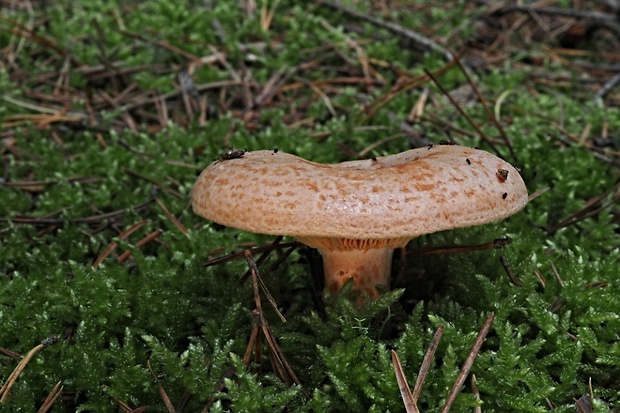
(400, 196)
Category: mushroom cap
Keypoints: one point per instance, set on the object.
(402, 196)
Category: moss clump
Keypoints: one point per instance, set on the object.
(110, 111)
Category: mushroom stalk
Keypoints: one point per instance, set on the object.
(368, 268)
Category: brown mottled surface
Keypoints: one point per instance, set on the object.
(405, 195)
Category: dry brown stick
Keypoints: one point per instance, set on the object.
(280, 359)
(583, 404)
(215, 24)
(6, 388)
(540, 277)
(424, 43)
(405, 391)
(148, 238)
(29, 186)
(189, 96)
(129, 121)
(592, 208)
(495, 244)
(353, 80)
(117, 79)
(254, 340)
(417, 110)
(238, 255)
(9, 353)
(490, 113)
(164, 45)
(15, 47)
(557, 305)
(475, 392)
(443, 123)
(607, 87)
(40, 121)
(261, 283)
(282, 258)
(426, 364)
(556, 274)
(556, 11)
(51, 398)
(362, 154)
(536, 194)
(113, 244)
(171, 217)
(263, 257)
(200, 88)
(25, 32)
(162, 392)
(62, 82)
(162, 111)
(462, 112)
(115, 68)
(93, 219)
(93, 121)
(184, 400)
(124, 406)
(44, 109)
(600, 153)
(400, 87)
(362, 57)
(469, 362)
(159, 185)
(271, 86)
(506, 265)
(275, 360)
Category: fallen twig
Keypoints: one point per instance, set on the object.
(238, 255)
(148, 238)
(51, 398)
(405, 392)
(463, 113)
(506, 265)
(426, 363)
(112, 245)
(469, 362)
(93, 219)
(607, 87)
(162, 391)
(422, 42)
(6, 388)
(490, 113)
(280, 364)
(459, 249)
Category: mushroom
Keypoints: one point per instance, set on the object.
(356, 213)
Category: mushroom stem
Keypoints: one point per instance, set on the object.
(368, 268)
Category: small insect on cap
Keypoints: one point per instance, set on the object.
(360, 205)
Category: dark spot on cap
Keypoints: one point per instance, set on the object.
(505, 195)
(502, 174)
(468, 161)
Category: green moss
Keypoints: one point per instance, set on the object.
(191, 323)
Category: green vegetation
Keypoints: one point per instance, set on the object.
(108, 114)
